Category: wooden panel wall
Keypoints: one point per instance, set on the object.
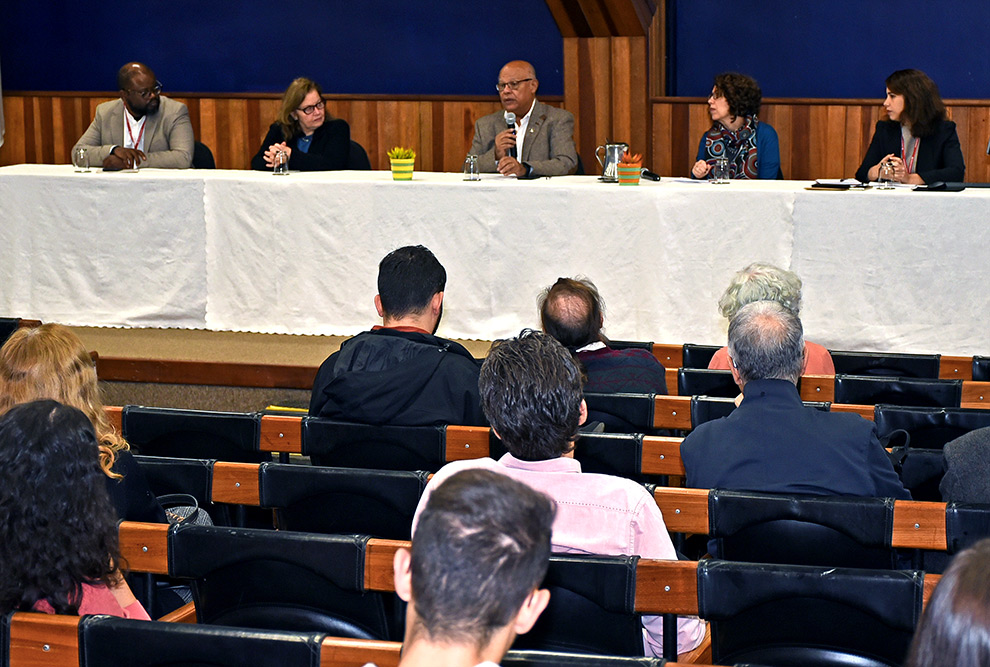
(818, 138)
(43, 127)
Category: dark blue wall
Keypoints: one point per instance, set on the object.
(831, 48)
(390, 47)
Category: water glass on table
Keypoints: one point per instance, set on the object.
(720, 171)
(885, 176)
(80, 159)
(471, 172)
(281, 162)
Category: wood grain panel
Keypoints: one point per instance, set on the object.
(378, 572)
(467, 442)
(340, 652)
(664, 586)
(41, 639)
(236, 483)
(684, 510)
(145, 546)
(662, 456)
(672, 411)
(280, 434)
(919, 525)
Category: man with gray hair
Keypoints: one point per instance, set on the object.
(772, 442)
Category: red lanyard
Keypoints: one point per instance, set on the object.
(909, 163)
(135, 144)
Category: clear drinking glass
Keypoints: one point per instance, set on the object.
(720, 171)
(885, 176)
(80, 160)
(471, 172)
(281, 163)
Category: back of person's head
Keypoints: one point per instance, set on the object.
(572, 311)
(766, 342)
(481, 547)
(761, 282)
(955, 629)
(58, 529)
(923, 106)
(50, 361)
(531, 393)
(408, 277)
(293, 97)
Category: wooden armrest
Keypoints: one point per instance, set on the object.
(184, 614)
(662, 456)
(466, 442)
(281, 434)
(236, 483)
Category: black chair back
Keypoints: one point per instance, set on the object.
(701, 381)
(202, 157)
(621, 412)
(377, 503)
(929, 428)
(591, 610)
(202, 434)
(801, 530)
(698, 356)
(631, 344)
(345, 445)
(801, 615)
(8, 325)
(619, 454)
(108, 641)
(707, 408)
(357, 157)
(278, 580)
(981, 369)
(194, 477)
(866, 390)
(965, 524)
(886, 364)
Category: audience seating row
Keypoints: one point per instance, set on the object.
(282, 580)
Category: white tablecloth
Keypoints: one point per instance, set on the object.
(247, 251)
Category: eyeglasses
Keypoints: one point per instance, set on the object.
(311, 109)
(511, 85)
(145, 94)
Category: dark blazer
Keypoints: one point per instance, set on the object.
(328, 152)
(939, 156)
(967, 468)
(771, 443)
(548, 147)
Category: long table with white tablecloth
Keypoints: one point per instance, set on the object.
(249, 251)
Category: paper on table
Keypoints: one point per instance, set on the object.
(838, 181)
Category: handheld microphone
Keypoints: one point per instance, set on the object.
(510, 122)
(646, 173)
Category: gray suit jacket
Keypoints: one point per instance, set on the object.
(168, 135)
(548, 147)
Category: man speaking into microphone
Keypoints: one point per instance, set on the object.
(527, 139)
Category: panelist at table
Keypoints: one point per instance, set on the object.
(918, 140)
(141, 129)
(312, 139)
(539, 143)
(748, 144)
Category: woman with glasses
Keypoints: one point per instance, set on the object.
(310, 137)
(749, 145)
(918, 139)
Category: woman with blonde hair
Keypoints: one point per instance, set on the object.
(311, 138)
(50, 362)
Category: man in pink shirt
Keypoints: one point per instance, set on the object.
(531, 394)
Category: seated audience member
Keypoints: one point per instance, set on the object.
(141, 129)
(479, 553)
(531, 394)
(401, 373)
(765, 282)
(955, 628)
(773, 443)
(748, 144)
(312, 139)
(58, 531)
(967, 468)
(540, 143)
(918, 139)
(50, 361)
(572, 311)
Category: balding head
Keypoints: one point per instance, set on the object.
(520, 92)
(129, 71)
(571, 310)
(766, 342)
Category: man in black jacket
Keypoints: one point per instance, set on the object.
(400, 373)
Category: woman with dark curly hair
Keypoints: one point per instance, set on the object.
(955, 629)
(312, 139)
(58, 531)
(918, 139)
(50, 361)
(749, 145)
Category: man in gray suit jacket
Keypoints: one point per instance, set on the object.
(154, 132)
(545, 134)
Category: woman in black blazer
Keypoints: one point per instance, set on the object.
(313, 140)
(918, 139)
